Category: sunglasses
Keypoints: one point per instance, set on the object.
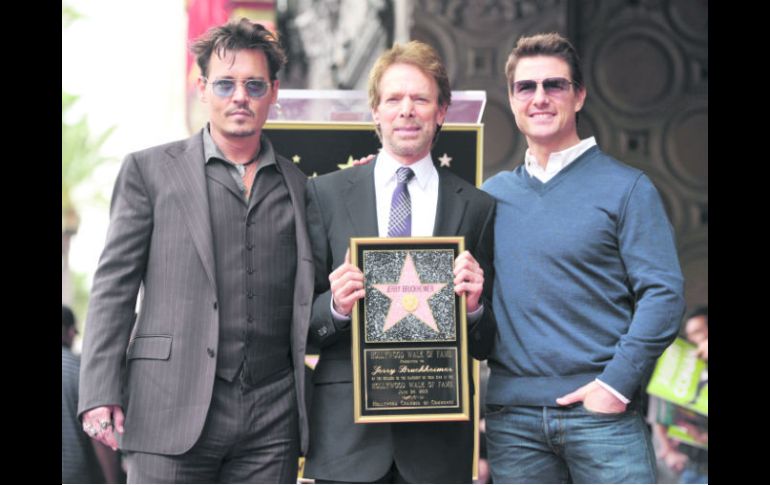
(553, 86)
(224, 88)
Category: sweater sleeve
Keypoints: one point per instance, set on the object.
(648, 252)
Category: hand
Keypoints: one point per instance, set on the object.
(347, 285)
(469, 279)
(102, 422)
(364, 160)
(703, 350)
(698, 434)
(675, 460)
(595, 398)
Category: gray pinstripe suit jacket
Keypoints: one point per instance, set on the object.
(160, 366)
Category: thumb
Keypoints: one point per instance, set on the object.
(118, 419)
(347, 256)
(572, 397)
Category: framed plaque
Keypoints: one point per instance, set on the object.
(410, 358)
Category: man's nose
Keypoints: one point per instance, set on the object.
(240, 94)
(540, 96)
(407, 107)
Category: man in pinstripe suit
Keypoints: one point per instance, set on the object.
(206, 383)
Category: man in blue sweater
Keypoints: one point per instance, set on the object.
(588, 291)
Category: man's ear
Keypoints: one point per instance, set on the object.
(201, 88)
(274, 90)
(581, 98)
(441, 116)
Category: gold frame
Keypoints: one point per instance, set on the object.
(462, 348)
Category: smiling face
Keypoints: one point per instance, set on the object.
(408, 112)
(238, 115)
(547, 120)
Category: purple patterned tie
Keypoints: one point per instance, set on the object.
(400, 223)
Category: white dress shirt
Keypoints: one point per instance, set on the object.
(423, 192)
(556, 161)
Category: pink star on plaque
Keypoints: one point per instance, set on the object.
(409, 296)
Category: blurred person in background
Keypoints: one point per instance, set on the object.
(83, 460)
(689, 462)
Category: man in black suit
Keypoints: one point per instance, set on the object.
(409, 95)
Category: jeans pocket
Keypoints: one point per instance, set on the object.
(603, 414)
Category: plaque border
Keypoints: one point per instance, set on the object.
(358, 345)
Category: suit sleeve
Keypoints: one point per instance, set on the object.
(115, 288)
(481, 335)
(324, 329)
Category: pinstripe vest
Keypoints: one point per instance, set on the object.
(256, 261)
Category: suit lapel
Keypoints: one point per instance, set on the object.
(362, 201)
(186, 171)
(296, 194)
(451, 206)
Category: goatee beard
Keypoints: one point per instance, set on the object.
(243, 133)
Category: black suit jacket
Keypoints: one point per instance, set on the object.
(342, 205)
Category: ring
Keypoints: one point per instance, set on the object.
(104, 423)
(90, 431)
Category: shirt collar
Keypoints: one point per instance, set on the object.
(387, 166)
(211, 151)
(559, 160)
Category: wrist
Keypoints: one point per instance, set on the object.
(338, 312)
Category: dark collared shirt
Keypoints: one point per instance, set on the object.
(255, 256)
(265, 157)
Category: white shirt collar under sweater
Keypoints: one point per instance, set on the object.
(557, 161)
(423, 192)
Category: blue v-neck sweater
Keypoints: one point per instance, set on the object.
(587, 281)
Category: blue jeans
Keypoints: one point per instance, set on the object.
(528, 444)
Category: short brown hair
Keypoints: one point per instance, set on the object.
(239, 35)
(418, 54)
(550, 45)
